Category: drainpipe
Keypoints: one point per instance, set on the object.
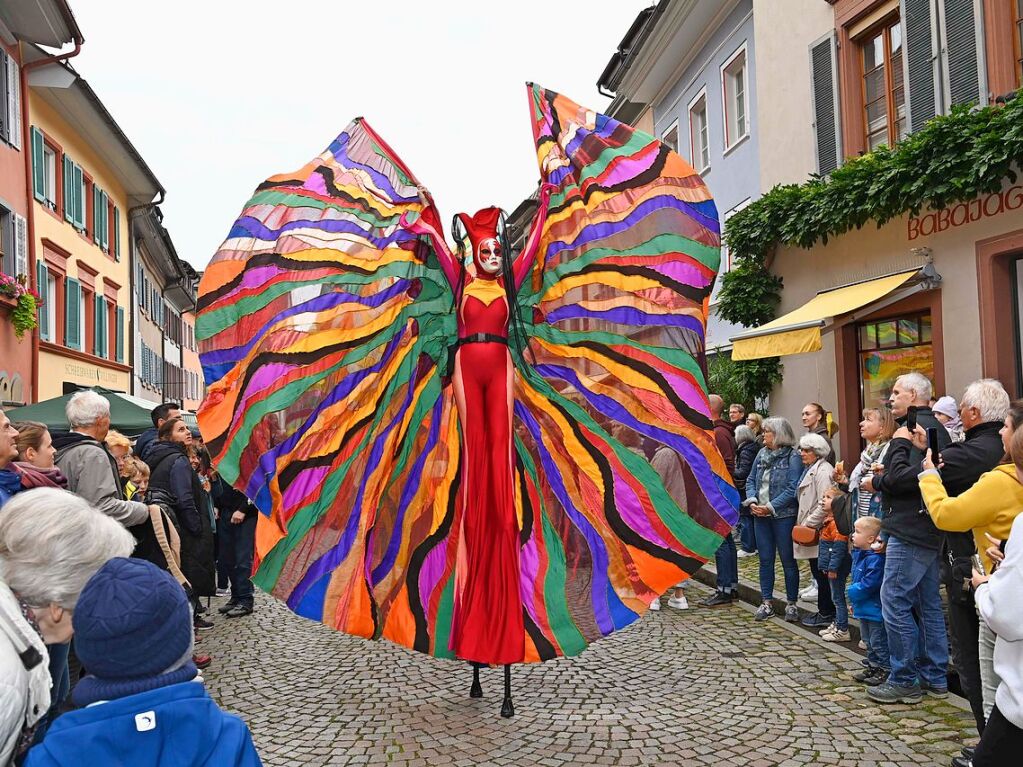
(133, 212)
(26, 144)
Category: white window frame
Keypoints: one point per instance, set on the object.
(706, 126)
(726, 254)
(49, 175)
(740, 51)
(664, 135)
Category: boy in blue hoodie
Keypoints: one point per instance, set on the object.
(141, 703)
(864, 594)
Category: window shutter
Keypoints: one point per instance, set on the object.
(78, 190)
(100, 326)
(824, 94)
(119, 341)
(921, 57)
(962, 53)
(117, 234)
(42, 288)
(104, 219)
(13, 103)
(95, 223)
(72, 314)
(20, 245)
(68, 180)
(145, 364)
(38, 169)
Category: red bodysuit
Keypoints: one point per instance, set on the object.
(488, 625)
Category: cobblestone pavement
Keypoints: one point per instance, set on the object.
(700, 687)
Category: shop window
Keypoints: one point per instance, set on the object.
(884, 93)
(889, 348)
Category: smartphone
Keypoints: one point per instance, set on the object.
(978, 564)
(911, 418)
(932, 443)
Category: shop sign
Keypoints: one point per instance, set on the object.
(79, 370)
(966, 212)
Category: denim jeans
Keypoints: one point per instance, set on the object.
(825, 604)
(917, 643)
(747, 538)
(774, 536)
(237, 544)
(877, 643)
(835, 563)
(727, 563)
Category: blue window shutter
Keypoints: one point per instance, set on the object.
(119, 342)
(38, 168)
(42, 283)
(117, 234)
(68, 181)
(922, 61)
(72, 314)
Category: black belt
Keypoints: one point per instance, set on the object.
(482, 338)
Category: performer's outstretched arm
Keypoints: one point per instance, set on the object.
(428, 224)
(524, 261)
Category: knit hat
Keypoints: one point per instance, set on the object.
(946, 406)
(132, 621)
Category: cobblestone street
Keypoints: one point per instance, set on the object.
(680, 688)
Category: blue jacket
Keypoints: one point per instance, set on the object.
(174, 726)
(787, 468)
(10, 483)
(864, 592)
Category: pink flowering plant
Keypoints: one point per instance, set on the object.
(26, 303)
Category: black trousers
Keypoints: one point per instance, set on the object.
(825, 605)
(1001, 743)
(964, 630)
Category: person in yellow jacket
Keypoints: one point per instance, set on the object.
(990, 506)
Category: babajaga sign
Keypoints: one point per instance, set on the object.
(966, 212)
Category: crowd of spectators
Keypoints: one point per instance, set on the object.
(107, 549)
(933, 501)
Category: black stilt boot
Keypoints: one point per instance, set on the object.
(507, 709)
(476, 691)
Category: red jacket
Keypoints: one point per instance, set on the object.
(724, 436)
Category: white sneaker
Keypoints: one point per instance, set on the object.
(862, 645)
(223, 592)
(679, 603)
(830, 629)
(742, 553)
(810, 592)
(836, 636)
(656, 604)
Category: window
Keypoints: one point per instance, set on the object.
(74, 193)
(734, 93)
(13, 243)
(890, 347)
(726, 256)
(100, 325)
(73, 314)
(670, 137)
(10, 100)
(699, 134)
(50, 177)
(884, 95)
(46, 285)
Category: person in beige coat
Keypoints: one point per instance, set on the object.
(817, 478)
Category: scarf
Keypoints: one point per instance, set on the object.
(33, 476)
(92, 689)
(871, 455)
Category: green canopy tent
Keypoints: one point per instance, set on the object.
(128, 414)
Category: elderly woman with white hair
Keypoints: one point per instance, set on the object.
(813, 484)
(51, 542)
(771, 499)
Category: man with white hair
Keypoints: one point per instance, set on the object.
(910, 596)
(10, 481)
(982, 411)
(90, 469)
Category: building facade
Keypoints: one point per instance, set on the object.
(52, 24)
(87, 181)
(937, 293)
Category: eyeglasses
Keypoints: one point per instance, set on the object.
(806, 450)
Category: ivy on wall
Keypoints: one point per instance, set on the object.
(954, 158)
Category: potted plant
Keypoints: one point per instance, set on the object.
(21, 301)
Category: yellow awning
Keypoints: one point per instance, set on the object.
(799, 331)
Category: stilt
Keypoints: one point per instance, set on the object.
(507, 709)
(476, 691)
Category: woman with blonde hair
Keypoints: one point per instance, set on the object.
(876, 428)
(35, 461)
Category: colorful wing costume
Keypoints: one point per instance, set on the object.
(325, 323)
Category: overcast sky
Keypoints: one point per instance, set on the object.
(220, 94)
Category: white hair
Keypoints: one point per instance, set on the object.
(917, 383)
(85, 408)
(989, 397)
(744, 434)
(782, 431)
(817, 443)
(52, 542)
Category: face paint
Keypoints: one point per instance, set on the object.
(488, 257)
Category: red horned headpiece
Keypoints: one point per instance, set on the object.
(482, 231)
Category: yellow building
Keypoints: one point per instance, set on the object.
(87, 179)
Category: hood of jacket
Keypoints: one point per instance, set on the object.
(27, 674)
(62, 440)
(143, 729)
(157, 451)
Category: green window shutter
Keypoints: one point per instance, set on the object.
(98, 312)
(105, 214)
(78, 190)
(117, 234)
(42, 285)
(119, 341)
(68, 181)
(72, 314)
(96, 228)
(38, 168)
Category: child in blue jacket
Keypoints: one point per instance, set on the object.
(141, 703)
(864, 595)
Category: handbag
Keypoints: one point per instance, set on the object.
(806, 536)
